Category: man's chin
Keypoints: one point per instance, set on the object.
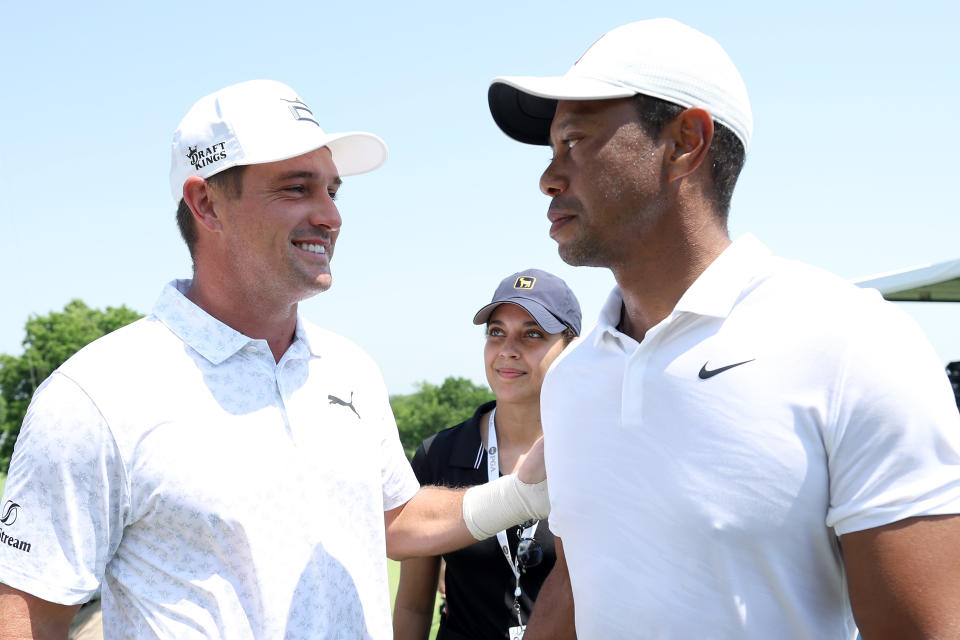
(578, 255)
(316, 285)
(571, 254)
(323, 283)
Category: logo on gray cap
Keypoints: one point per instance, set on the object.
(524, 282)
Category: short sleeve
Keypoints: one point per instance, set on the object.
(66, 497)
(399, 483)
(893, 441)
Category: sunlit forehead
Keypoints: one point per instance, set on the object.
(316, 166)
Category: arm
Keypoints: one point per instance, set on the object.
(904, 578)
(416, 595)
(552, 616)
(429, 524)
(436, 519)
(25, 616)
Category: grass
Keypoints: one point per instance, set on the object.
(3, 481)
(393, 569)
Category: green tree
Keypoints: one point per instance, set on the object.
(432, 408)
(49, 341)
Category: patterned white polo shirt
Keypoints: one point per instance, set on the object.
(211, 491)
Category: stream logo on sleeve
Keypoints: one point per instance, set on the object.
(9, 515)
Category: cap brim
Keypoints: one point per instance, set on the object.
(357, 152)
(547, 321)
(353, 152)
(523, 106)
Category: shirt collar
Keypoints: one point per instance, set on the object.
(713, 293)
(464, 449)
(308, 335)
(717, 289)
(209, 337)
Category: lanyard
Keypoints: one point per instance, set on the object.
(493, 472)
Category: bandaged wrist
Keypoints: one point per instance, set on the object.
(494, 506)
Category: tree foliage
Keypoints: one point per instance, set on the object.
(49, 341)
(432, 408)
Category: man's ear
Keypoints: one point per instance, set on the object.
(691, 134)
(198, 196)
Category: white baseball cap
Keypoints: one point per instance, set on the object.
(256, 122)
(661, 58)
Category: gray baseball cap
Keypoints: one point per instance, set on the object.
(543, 295)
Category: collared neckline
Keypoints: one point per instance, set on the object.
(463, 451)
(208, 336)
(713, 293)
(717, 289)
(309, 335)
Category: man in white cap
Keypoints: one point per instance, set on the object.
(744, 446)
(223, 468)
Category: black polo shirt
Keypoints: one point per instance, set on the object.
(479, 582)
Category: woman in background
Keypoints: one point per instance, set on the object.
(489, 592)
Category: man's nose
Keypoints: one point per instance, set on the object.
(326, 214)
(552, 181)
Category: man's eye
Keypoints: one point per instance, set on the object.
(533, 333)
(332, 194)
(569, 143)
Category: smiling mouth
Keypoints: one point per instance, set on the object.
(318, 249)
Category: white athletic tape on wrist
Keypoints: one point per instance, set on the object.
(494, 506)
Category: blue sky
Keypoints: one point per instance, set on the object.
(851, 164)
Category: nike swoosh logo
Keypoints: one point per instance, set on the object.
(709, 373)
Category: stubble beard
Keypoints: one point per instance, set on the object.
(311, 285)
(588, 247)
(584, 249)
(308, 283)
(583, 252)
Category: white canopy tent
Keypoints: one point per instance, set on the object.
(928, 283)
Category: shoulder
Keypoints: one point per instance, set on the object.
(440, 444)
(579, 354)
(873, 361)
(816, 289)
(133, 346)
(330, 345)
(812, 304)
(454, 446)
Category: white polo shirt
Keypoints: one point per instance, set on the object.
(699, 479)
(211, 491)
